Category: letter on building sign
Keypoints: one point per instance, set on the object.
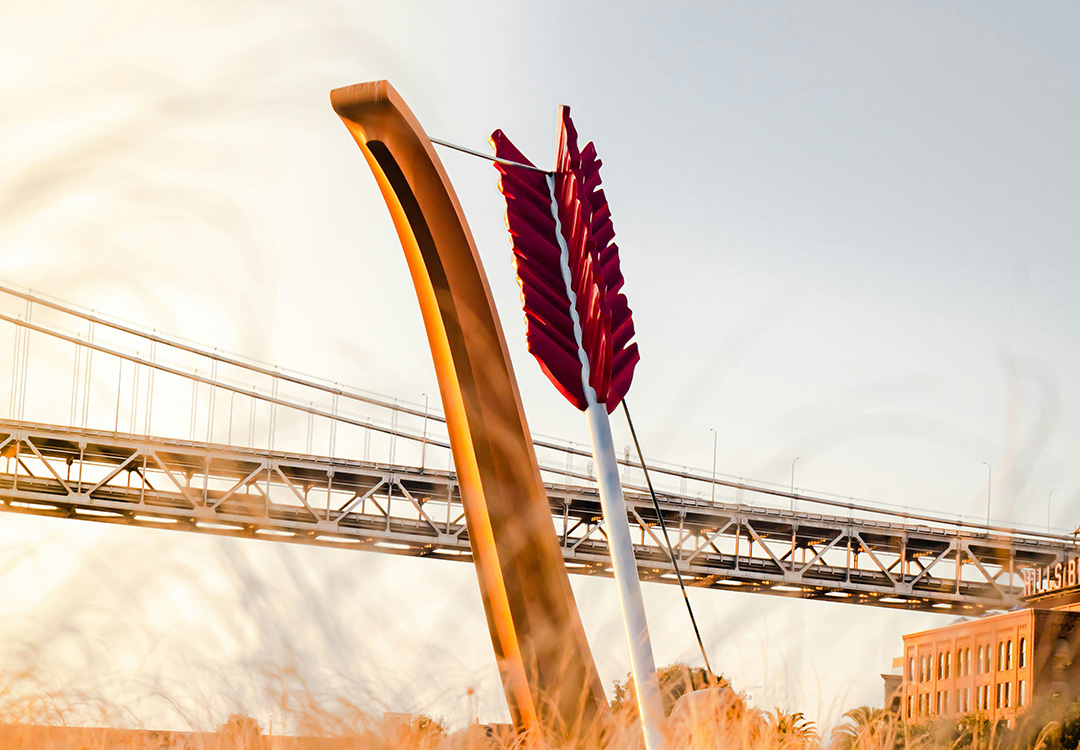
(1057, 576)
(1070, 576)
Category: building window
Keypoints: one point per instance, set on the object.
(979, 661)
(1022, 656)
(997, 700)
(1020, 691)
(909, 703)
(911, 669)
(940, 665)
(1008, 654)
(988, 652)
(967, 660)
(937, 703)
(948, 664)
(1008, 694)
(922, 669)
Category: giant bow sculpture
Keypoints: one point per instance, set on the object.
(549, 677)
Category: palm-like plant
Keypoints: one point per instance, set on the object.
(866, 728)
(792, 725)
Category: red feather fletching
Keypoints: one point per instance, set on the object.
(589, 269)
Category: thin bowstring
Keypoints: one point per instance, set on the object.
(667, 539)
(487, 157)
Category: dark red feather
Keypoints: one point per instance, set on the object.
(595, 279)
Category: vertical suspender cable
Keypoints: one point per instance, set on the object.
(86, 380)
(75, 385)
(14, 370)
(119, 384)
(194, 408)
(251, 421)
(273, 414)
(232, 400)
(150, 387)
(135, 400)
(25, 362)
(213, 395)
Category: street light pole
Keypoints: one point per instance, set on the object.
(989, 482)
(423, 445)
(793, 483)
(1048, 509)
(712, 496)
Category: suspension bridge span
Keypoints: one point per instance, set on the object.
(109, 454)
(367, 505)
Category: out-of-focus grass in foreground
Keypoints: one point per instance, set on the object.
(722, 719)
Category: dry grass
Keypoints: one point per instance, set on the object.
(37, 720)
(728, 722)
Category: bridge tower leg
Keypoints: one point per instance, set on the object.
(548, 673)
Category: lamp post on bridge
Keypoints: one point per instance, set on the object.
(423, 445)
(712, 496)
(793, 483)
(1048, 509)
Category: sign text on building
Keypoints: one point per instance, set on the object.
(1059, 575)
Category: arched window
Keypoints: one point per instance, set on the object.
(979, 661)
(1001, 656)
(1062, 655)
(1008, 654)
(967, 660)
(922, 669)
(940, 667)
(1022, 656)
(948, 669)
(911, 669)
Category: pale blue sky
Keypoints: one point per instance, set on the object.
(849, 232)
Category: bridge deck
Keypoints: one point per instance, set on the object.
(219, 489)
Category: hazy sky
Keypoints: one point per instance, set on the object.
(849, 232)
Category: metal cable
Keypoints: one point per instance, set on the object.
(488, 157)
(667, 539)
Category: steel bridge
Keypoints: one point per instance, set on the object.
(266, 481)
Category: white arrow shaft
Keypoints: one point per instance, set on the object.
(624, 565)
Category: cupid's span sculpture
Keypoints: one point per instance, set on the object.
(548, 673)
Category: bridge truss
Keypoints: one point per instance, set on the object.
(113, 477)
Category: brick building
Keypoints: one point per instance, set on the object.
(996, 665)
